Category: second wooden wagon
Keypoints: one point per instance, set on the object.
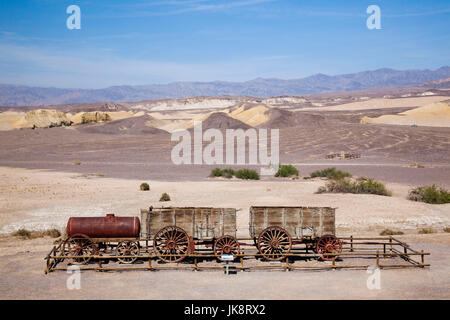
(277, 229)
(177, 230)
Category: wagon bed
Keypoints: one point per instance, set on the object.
(299, 222)
(199, 222)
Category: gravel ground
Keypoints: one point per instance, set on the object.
(22, 277)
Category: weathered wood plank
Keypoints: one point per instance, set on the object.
(298, 221)
(198, 222)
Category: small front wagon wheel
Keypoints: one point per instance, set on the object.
(80, 245)
(329, 244)
(127, 248)
(226, 245)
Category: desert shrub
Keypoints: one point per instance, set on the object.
(77, 163)
(216, 173)
(426, 231)
(286, 170)
(362, 185)
(164, 197)
(52, 233)
(24, 233)
(98, 174)
(144, 186)
(228, 173)
(429, 194)
(27, 234)
(389, 232)
(416, 165)
(247, 174)
(447, 229)
(330, 173)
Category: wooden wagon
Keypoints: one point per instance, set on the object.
(177, 230)
(277, 229)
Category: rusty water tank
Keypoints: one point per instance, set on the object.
(104, 227)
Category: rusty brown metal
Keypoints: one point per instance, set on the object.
(104, 227)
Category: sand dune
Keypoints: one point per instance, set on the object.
(11, 120)
(251, 114)
(77, 118)
(221, 120)
(381, 103)
(132, 126)
(40, 118)
(433, 115)
(44, 118)
(279, 118)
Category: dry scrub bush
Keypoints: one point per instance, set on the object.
(426, 231)
(247, 174)
(330, 173)
(361, 185)
(27, 234)
(144, 186)
(389, 232)
(164, 197)
(286, 170)
(429, 194)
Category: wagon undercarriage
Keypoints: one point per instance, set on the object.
(172, 248)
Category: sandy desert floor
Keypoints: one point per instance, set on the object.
(48, 175)
(40, 199)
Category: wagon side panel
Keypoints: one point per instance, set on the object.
(328, 225)
(299, 222)
(258, 221)
(228, 216)
(185, 219)
(144, 223)
(202, 224)
(159, 218)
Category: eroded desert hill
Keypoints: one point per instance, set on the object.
(432, 115)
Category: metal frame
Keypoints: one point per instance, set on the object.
(378, 248)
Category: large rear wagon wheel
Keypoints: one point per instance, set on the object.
(274, 243)
(80, 245)
(171, 244)
(226, 245)
(329, 244)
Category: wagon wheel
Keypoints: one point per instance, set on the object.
(127, 248)
(226, 245)
(172, 243)
(328, 244)
(80, 245)
(274, 243)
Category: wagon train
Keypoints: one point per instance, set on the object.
(189, 234)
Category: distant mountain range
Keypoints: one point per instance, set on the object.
(14, 95)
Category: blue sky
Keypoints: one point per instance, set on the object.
(157, 41)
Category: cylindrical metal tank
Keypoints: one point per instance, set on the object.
(104, 227)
